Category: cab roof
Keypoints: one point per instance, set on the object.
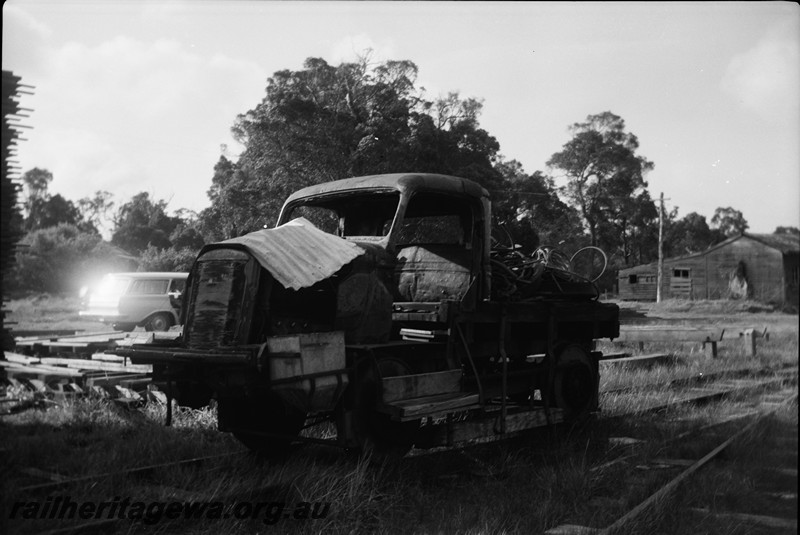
(397, 182)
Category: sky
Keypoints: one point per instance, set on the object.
(133, 96)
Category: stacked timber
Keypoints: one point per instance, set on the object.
(10, 230)
(66, 366)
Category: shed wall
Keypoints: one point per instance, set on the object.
(763, 266)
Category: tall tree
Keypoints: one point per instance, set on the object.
(327, 122)
(729, 221)
(605, 181)
(36, 183)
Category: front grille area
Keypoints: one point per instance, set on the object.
(216, 302)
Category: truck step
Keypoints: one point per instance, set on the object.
(438, 405)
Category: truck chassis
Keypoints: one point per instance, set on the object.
(365, 342)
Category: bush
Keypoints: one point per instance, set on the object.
(155, 259)
(62, 259)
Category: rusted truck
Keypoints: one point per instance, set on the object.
(378, 303)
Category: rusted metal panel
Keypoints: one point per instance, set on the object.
(297, 253)
(433, 272)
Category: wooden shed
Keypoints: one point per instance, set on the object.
(763, 267)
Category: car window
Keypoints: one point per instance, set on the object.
(443, 229)
(112, 286)
(177, 285)
(148, 287)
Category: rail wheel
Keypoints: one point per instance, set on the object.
(575, 387)
(265, 424)
(374, 431)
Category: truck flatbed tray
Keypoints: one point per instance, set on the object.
(147, 354)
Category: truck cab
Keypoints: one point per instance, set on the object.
(433, 230)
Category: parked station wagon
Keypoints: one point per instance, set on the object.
(148, 299)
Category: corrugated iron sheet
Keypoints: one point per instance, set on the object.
(297, 253)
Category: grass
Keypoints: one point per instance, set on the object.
(580, 475)
(48, 312)
(701, 307)
(524, 485)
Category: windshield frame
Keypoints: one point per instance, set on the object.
(337, 202)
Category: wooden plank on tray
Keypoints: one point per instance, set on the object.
(110, 380)
(82, 337)
(433, 405)
(421, 385)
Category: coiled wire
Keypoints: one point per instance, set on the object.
(519, 277)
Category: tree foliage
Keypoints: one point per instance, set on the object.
(51, 211)
(688, 235)
(43, 210)
(171, 259)
(605, 183)
(142, 222)
(95, 210)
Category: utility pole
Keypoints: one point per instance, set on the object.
(660, 274)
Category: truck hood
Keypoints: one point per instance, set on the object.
(297, 253)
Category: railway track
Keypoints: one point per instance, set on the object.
(57, 481)
(743, 426)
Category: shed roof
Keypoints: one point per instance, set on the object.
(785, 243)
